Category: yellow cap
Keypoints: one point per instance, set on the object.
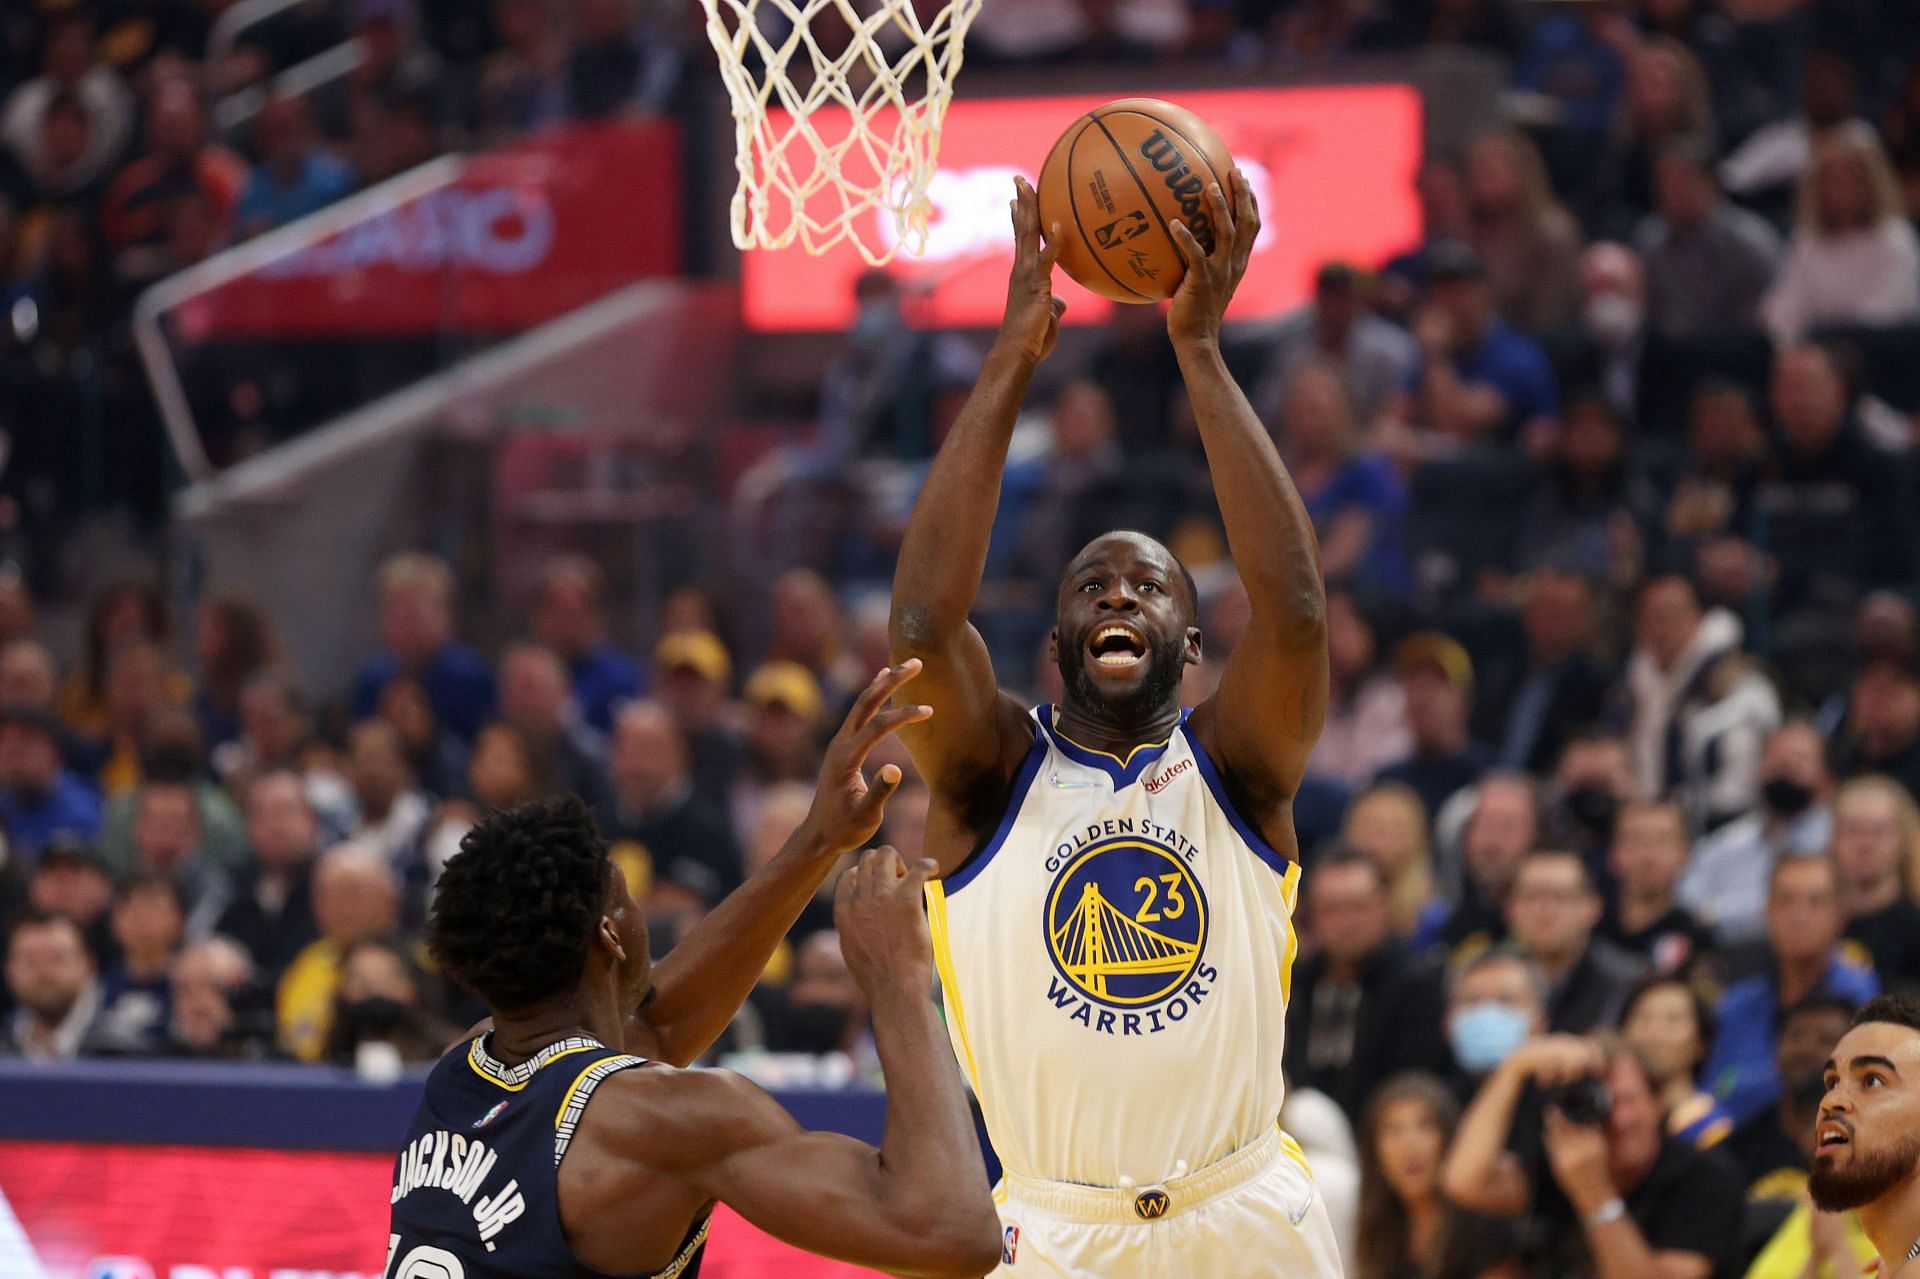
(1431, 648)
(701, 652)
(787, 684)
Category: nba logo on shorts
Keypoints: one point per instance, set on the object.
(1009, 1245)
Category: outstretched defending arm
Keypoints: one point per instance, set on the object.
(702, 982)
(919, 1204)
(944, 552)
(1273, 693)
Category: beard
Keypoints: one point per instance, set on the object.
(1165, 667)
(1867, 1179)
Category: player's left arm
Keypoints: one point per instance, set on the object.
(1273, 694)
(702, 982)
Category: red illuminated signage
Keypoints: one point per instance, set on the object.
(1333, 169)
(177, 1212)
(521, 236)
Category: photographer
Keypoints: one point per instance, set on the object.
(1567, 1133)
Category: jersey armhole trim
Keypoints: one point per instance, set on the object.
(574, 1104)
(969, 870)
(1277, 861)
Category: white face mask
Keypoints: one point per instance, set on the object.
(1613, 318)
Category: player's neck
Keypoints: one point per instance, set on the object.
(519, 1036)
(1090, 727)
(1893, 1223)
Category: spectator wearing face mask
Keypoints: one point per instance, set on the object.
(1876, 856)
(1568, 1134)
(1725, 883)
(1608, 346)
(1649, 852)
(824, 1012)
(1592, 780)
(1803, 958)
(1496, 1002)
(378, 1017)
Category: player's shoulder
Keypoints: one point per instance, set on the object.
(671, 1117)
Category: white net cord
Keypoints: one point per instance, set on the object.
(817, 173)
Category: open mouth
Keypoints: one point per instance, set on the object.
(1832, 1135)
(1117, 647)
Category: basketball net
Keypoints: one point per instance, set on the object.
(851, 138)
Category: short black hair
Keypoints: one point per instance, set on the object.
(1821, 1001)
(515, 909)
(1898, 1010)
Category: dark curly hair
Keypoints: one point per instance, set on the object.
(516, 907)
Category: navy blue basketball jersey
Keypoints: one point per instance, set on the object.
(476, 1187)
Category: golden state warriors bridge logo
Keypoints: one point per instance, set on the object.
(1127, 929)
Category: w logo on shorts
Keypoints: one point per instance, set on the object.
(1009, 1245)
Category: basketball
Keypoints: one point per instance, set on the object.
(1114, 182)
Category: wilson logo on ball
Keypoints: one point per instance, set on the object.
(1186, 186)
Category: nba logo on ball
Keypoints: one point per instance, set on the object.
(1009, 1245)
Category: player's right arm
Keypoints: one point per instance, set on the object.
(980, 734)
(917, 1205)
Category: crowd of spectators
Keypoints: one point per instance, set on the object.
(1613, 823)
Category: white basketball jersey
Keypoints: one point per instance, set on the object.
(1117, 961)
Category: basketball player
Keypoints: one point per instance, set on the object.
(1113, 923)
(543, 1148)
(1866, 1153)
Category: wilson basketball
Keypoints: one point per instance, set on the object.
(1114, 182)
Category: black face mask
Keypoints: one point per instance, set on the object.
(377, 1017)
(1592, 809)
(813, 1028)
(1786, 797)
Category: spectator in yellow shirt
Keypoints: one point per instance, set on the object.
(354, 899)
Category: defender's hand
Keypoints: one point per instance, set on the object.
(847, 808)
(1033, 312)
(1211, 278)
(883, 925)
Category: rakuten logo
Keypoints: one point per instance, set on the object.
(499, 230)
(970, 212)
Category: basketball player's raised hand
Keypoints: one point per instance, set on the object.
(882, 923)
(1211, 278)
(847, 805)
(1033, 312)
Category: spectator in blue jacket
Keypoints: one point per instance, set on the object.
(39, 797)
(416, 621)
(569, 617)
(1804, 958)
